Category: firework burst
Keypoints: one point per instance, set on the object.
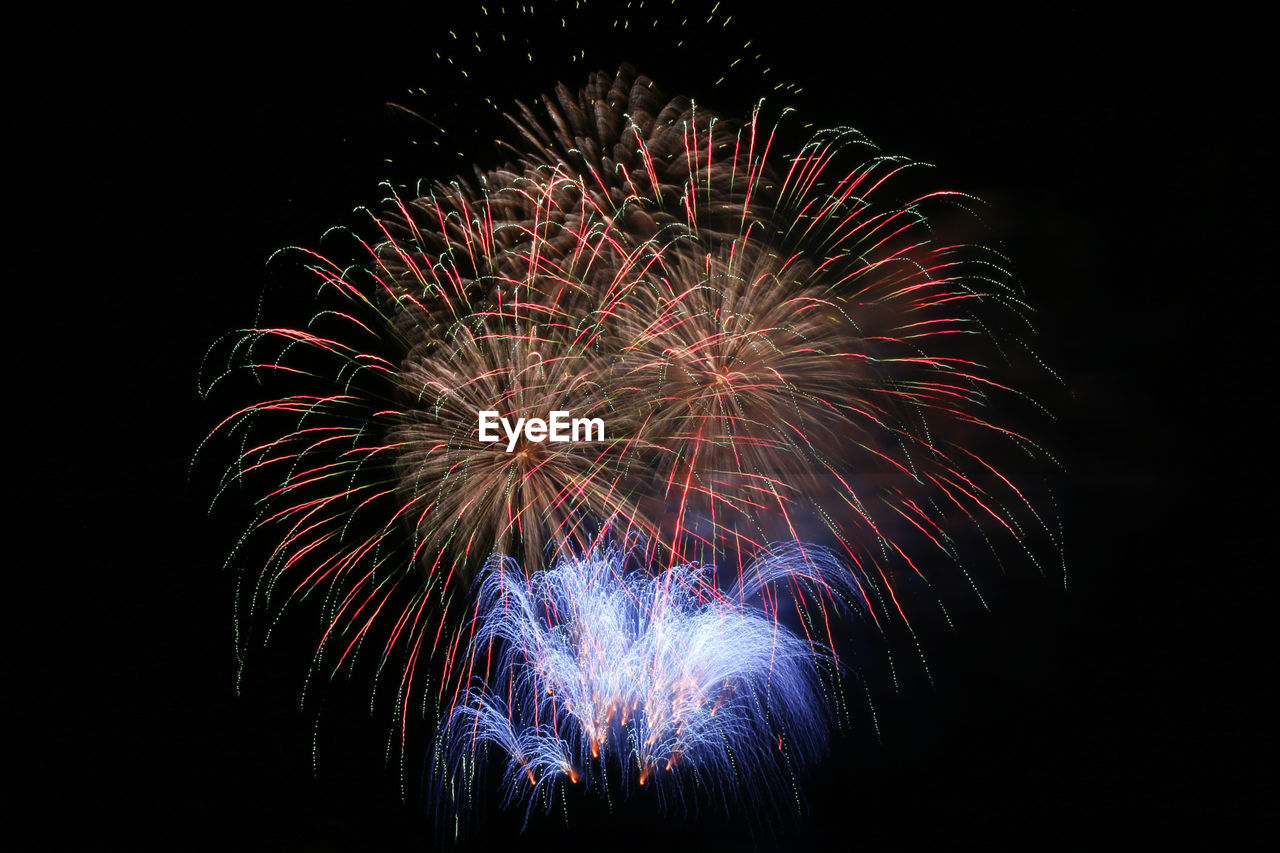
(660, 679)
(781, 350)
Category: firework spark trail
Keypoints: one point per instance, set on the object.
(782, 352)
(658, 679)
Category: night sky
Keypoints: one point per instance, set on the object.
(166, 159)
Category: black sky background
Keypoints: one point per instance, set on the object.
(1123, 161)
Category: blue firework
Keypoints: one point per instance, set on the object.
(617, 679)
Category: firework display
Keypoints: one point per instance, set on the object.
(652, 326)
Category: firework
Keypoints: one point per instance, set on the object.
(660, 679)
(781, 349)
